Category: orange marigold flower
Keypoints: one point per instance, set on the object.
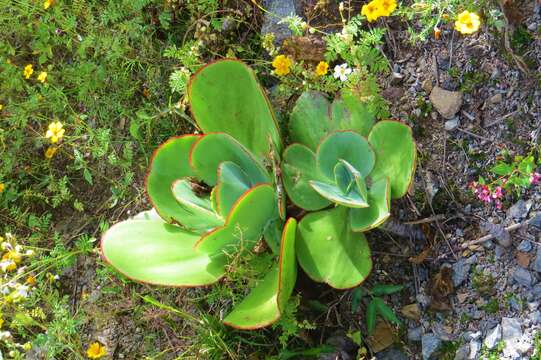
(322, 68)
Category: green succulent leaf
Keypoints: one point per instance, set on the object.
(265, 302)
(226, 97)
(349, 112)
(348, 146)
(333, 193)
(232, 183)
(199, 206)
(379, 198)
(298, 168)
(213, 149)
(169, 163)
(396, 154)
(313, 117)
(155, 252)
(330, 252)
(245, 223)
(309, 121)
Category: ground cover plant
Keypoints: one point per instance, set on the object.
(100, 103)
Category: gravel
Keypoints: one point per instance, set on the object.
(430, 344)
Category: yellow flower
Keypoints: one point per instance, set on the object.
(371, 10)
(12, 255)
(96, 351)
(1, 107)
(55, 131)
(282, 65)
(30, 280)
(42, 76)
(51, 150)
(1, 322)
(47, 4)
(2, 187)
(322, 68)
(28, 71)
(467, 22)
(386, 7)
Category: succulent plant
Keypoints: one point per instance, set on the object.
(341, 161)
(216, 195)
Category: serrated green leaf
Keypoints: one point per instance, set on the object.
(502, 169)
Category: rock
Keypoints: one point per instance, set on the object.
(414, 334)
(493, 336)
(536, 264)
(523, 277)
(536, 221)
(392, 93)
(524, 246)
(461, 269)
(475, 346)
(536, 291)
(515, 342)
(277, 9)
(535, 317)
(496, 99)
(344, 348)
(519, 210)
(427, 85)
(396, 78)
(472, 335)
(463, 352)
(430, 344)
(411, 312)
(452, 124)
(391, 354)
(523, 259)
(447, 103)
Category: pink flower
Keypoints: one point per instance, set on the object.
(498, 193)
(498, 204)
(534, 178)
(483, 193)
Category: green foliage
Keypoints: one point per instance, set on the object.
(215, 195)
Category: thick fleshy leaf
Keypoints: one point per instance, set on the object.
(265, 302)
(395, 151)
(213, 149)
(245, 222)
(170, 162)
(232, 183)
(349, 112)
(200, 207)
(309, 121)
(348, 146)
(379, 199)
(330, 252)
(333, 193)
(313, 117)
(154, 252)
(226, 97)
(298, 168)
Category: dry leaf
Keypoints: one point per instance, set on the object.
(523, 259)
(512, 11)
(421, 257)
(442, 288)
(411, 311)
(382, 338)
(307, 48)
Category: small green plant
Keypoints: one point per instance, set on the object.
(216, 195)
(376, 305)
